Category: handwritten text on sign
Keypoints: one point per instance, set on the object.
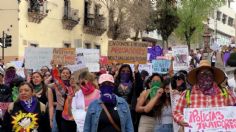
(65, 56)
(161, 65)
(35, 58)
(127, 51)
(211, 119)
(180, 54)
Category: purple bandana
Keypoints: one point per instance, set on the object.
(107, 95)
(29, 105)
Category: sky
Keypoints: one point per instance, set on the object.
(233, 5)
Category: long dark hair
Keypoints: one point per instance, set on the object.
(162, 100)
(117, 79)
(44, 86)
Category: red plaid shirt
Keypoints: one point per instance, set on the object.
(199, 100)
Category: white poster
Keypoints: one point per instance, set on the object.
(89, 57)
(174, 96)
(35, 58)
(217, 119)
(147, 67)
(180, 54)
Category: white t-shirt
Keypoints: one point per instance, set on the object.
(213, 58)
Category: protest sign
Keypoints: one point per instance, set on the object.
(64, 56)
(127, 51)
(89, 57)
(75, 67)
(103, 60)
(153, 52)
(181, 61)
(17, 64)
(161, 65)
(217, 119)
(174, 101)
(147, 67)
(35, 58)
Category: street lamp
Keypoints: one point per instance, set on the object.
(206, 36)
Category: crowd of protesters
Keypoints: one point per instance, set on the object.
(116, 99)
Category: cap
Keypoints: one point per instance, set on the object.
(106, 78)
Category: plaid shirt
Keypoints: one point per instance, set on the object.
(199, 100)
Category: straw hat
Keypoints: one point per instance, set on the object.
(204, 64)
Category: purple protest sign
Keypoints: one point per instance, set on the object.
(154, 51)
(226, 57)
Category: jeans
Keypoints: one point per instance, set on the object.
(164, 128)
(54, 128)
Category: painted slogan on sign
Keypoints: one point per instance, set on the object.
(127, 51)
(218, 119)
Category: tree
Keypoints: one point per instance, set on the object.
(140, 11)
(126, 15)
(192, 13)
(118, 26)
(164, 19)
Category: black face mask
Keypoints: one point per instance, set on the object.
(167, 95)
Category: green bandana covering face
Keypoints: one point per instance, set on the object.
(37, 88)
(154, 87)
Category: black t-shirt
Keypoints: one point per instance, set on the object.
(5, 93)
(104, 124)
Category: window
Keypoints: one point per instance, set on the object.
(224, 18)
(218, 15)
(97, 9)
(230, 21)
(67, 45)
(97, 46)
(87, 46)
(33, 45)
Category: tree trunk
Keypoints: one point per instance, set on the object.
(189, 46)
(136, 35)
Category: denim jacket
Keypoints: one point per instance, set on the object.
(95, 109)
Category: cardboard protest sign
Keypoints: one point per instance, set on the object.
(147, 67)
(35, 58)
(161, 65)
(127, 51)
(64, 56)
(217, 119)
(180, 54)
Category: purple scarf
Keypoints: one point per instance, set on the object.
(29, 105)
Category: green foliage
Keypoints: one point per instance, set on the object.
(164, 18)
(192, 13)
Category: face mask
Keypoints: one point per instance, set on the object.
(88, 88)
(124, 77)
(154, 87)
(66, 82)
(167, 95)
(107, 95)
(205, 82)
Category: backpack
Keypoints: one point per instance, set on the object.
(188, 93)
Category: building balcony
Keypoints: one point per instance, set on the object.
(37, 11)
(70, 19)
(95, 24)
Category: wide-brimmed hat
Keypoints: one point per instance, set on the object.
(219, 75)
